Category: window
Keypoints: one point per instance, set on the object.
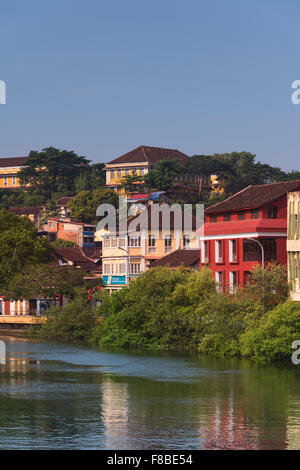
(113, 242)
(119, 174)
(219, 251)
(219, 281)
(134, 241)
(168, 244)
(14, 180)
(241, 215)
(5, 180)
(186, 241)
(135, 268)
(252, 250)
(168, 240)
(227, 217)
(232, 281)
(106, 242)
(255, 214)
(204, 252)
(272, 212)
(112, 175)
(232, 251)
(213, 218)
(106, 269)
(122, 268)
(151, 240)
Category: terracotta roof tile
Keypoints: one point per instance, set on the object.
(178, 258)
(12, 161)
(254, 197)
(19, 210)
(151, 155)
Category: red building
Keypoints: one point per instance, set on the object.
(234, 227)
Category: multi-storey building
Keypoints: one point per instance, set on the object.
(245, 228)
(9, 169)
(293, 243)
(79, 233)
(125, 255)
(144, 158)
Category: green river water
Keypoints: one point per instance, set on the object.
(61, 396)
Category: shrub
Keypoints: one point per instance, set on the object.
(272, 338)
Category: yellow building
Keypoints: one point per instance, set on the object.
(142, 159)
(126, 255)
(293, 243)
(9, 169)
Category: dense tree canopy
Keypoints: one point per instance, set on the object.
(161, 177)
(52, 171)
(48, 281)
(84, 205)
(19, 245)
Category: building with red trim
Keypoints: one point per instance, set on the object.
(239, 229)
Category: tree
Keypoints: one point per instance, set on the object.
(60, 243)
(49, 282)
(84, 205)
(162, 176)
(91, 177)
(128, 182)
(52, 171)
(19, 245)
(269, 285)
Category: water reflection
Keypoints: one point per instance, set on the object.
(71, 397)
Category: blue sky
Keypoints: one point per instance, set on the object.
(102, 77)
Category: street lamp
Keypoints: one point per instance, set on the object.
(262, 250)
(128, 262)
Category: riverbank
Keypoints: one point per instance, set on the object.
(182, 310)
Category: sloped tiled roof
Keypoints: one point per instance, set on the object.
(254, 197)
(19, 210)
(76, 255)
(12, 161)
(144, 153)
(177, 258)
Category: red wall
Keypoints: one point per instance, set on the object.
(248, 225)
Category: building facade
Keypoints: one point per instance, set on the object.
(142, 159)
(293, 243)
(243, 229)
(126, 255)
(9, 169)
(79, 233)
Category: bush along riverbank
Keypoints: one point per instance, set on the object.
(165, 309)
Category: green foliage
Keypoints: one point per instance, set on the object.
(271, 339)
(75, 321)
(19, 246)
(161, 177)
(51, 171)
(129, 182)
(91, 177)
(48, 281)
(84, 205)
(236, 171)
(269, 285)
(60, 243)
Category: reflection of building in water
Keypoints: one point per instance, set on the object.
(230, 426)
(115, 413)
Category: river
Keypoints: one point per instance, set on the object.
(61, 396)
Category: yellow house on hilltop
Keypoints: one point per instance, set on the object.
(9, 169)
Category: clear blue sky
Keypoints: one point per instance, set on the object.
(102, 77)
